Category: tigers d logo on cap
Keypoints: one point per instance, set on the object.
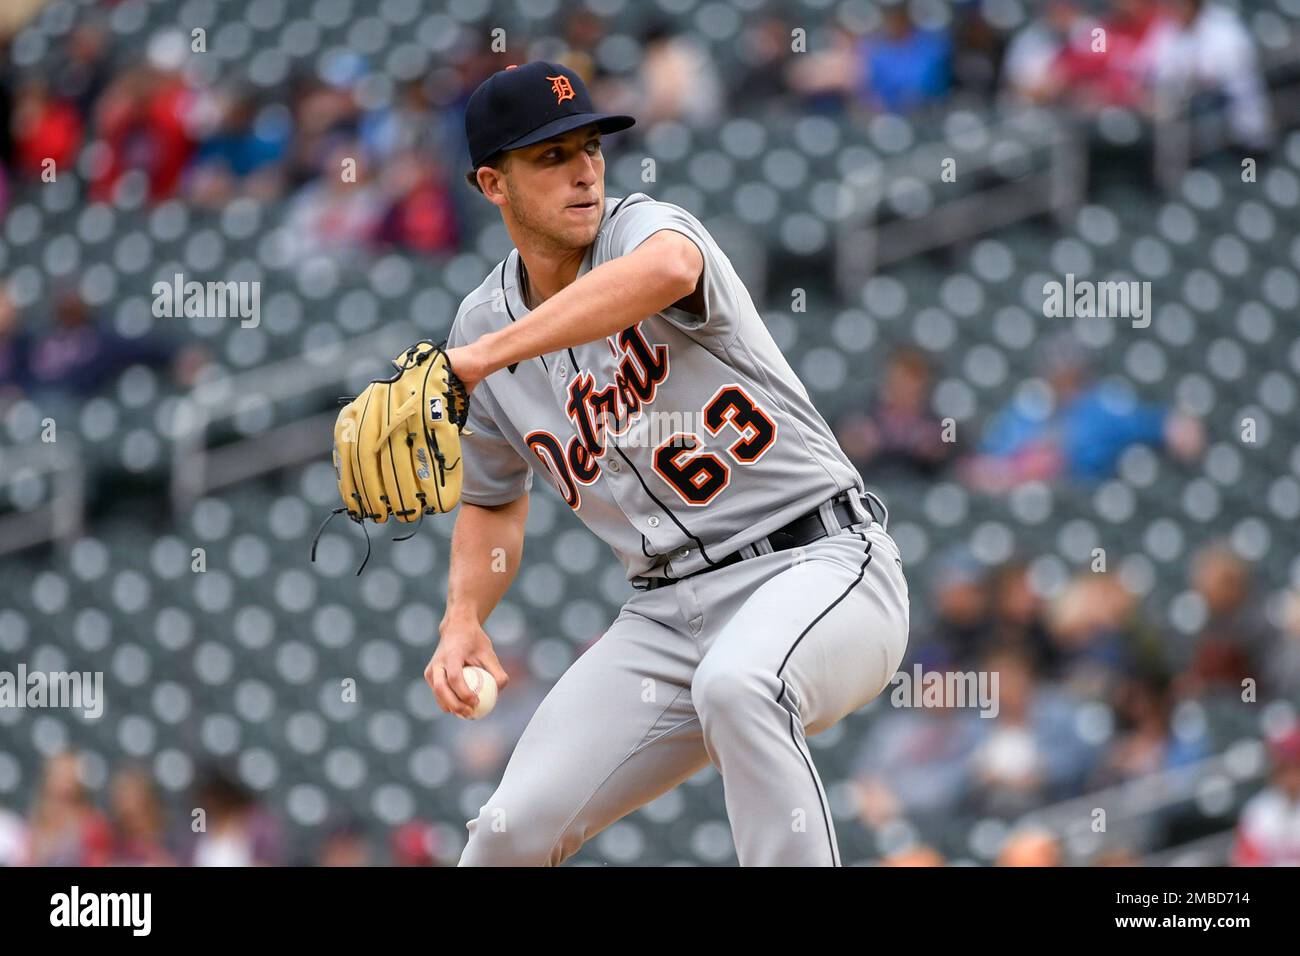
(529, 103)
(561, 87)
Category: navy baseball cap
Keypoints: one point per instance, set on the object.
(526, 104)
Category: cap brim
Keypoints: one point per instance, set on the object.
(606, 122)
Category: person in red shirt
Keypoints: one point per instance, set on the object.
(1110, 68)
(45, 128)
(142, 122)
(420, 216)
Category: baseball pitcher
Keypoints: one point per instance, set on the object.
(616, 353)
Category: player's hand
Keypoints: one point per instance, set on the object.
(461, 643)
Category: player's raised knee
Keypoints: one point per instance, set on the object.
(497, 840)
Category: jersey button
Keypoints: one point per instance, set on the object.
(652, 521)
(684, 553)
(614, 466)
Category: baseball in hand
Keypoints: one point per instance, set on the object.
(483, 684)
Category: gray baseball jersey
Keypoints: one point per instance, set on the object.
(677, 441)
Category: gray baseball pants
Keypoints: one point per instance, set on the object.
(737, 666)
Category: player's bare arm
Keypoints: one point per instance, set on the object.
(662, 271)
(476, 583)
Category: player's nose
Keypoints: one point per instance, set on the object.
(585, 171)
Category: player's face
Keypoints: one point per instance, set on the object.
(556, 188)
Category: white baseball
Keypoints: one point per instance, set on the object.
(483, 684)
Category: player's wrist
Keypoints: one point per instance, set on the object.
(477, 357)
(457, 617)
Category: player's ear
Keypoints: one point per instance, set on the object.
(491, 182)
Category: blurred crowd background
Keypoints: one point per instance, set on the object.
(1105, 515)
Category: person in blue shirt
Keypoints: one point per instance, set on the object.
(243, 154)
(903, 66)
(1076, 429)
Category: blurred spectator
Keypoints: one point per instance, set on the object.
(405, 127)
(1031, 847)
(84, 70)
(914, 762)
(416, 844)
(826, 78)
(238, 831)
(1204, 50)
(898, 431)
(1268, 833)
(324, 115)
(676, 79)
(422, 215)
(1145, 744)
(1029, 71)
(79, 355)
(1109, 68)
(143, 122)
(904, 67)
(138, 831)
(765, 52)
(65, 829)
(1031, 752)
(917, 856)
(1018, 620)
(1236, 636)
(334, 215)
(242, 154)
(1119, 856)
(1100, 635)
(14, 345)
(1077, 430)
(978, 48)
(961, 606)
(45, 128)
(346, 845)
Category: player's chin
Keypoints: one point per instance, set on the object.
(579, 234)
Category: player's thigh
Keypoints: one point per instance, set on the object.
(831, 625)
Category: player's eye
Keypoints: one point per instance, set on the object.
(593, 147)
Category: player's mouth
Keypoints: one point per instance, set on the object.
(582, 207)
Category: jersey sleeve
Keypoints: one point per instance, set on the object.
(639, 220)
(495, 472)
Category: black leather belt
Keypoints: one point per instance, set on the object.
(803, 530)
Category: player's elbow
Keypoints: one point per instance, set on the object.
(687, 265)
(677, 263)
